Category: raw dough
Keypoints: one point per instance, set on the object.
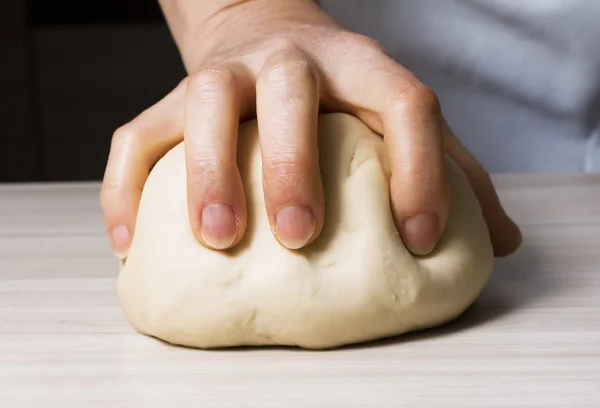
(355, 283)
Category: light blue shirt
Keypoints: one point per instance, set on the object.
(519, 80)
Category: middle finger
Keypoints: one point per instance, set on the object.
(287, 110)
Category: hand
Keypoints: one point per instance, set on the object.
(283, 61)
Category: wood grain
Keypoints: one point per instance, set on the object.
(531, 340)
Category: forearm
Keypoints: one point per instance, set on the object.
(190, 19)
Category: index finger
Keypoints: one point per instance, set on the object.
(135, 148)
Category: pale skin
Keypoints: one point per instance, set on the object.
(283, 62)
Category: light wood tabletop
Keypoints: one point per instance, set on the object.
(531, 340)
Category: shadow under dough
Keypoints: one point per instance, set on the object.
(518, 280)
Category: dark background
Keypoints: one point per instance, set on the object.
(72, 72)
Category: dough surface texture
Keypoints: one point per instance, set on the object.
(357, 282)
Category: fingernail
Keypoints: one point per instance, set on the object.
(421, 232)
(121, 239)
(219, 226)
(295, 225)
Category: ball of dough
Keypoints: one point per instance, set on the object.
(357, 282)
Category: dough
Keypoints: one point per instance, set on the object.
(356, 282)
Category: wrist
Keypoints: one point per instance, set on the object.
(199, 26)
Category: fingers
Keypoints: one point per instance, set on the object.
(411, 122)
(504, 233)
(287, 110)
(216, 199)
(419, 187)
(135, 148)
(395, 103)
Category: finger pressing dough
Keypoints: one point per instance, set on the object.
(356, 282)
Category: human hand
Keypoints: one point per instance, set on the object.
(284, 61)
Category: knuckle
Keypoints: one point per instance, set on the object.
(127, 134)
(421, 173)
(290, 68)
(417, 176)
(210, 80)
(284, 159)
(289, 167)
(283, 45)
(291, 77)
(414, 94)
(402, 91)
(108, 193)
(427, 97)
(204, 168)
(201, 162)
(363, 42)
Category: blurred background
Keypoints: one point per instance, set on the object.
(73, 71)
(519, 81)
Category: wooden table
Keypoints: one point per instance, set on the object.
(532, 340)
